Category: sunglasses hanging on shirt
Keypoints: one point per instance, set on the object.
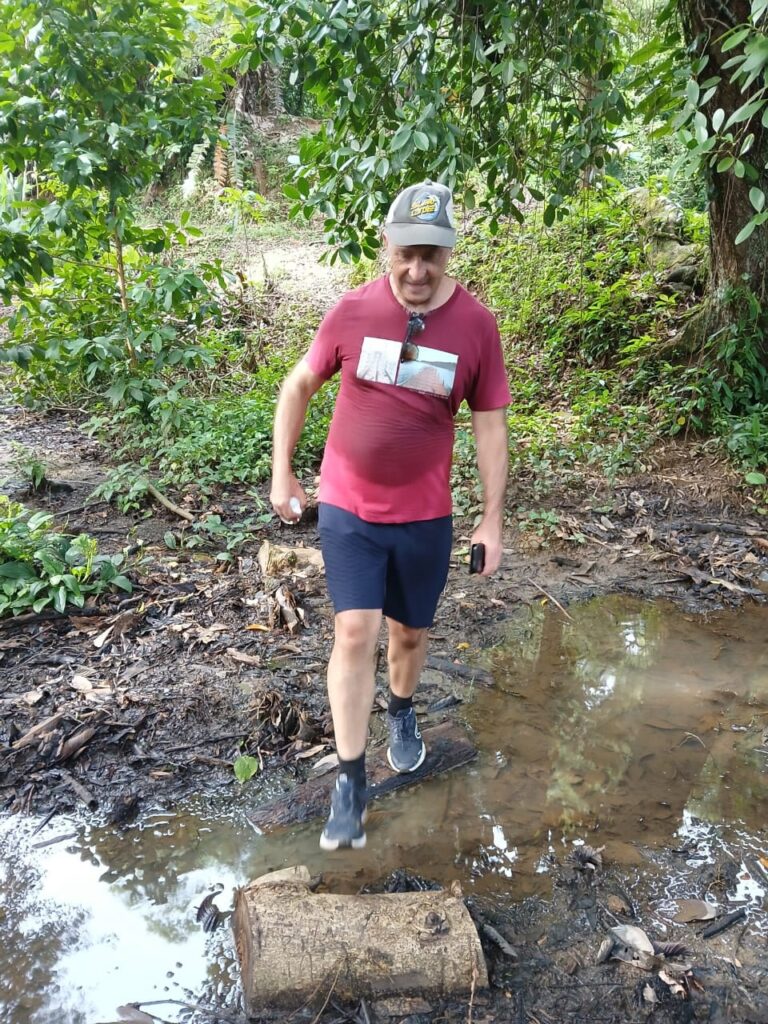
(409, 351)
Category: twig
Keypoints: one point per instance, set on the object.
(52, 842)
(723, 923)
(314, 993)
(472, 993)
(79, 789)
(79, 508)
(210, 1011)
(45, 821)
(170, 505)
(330, 993)
(550, 598)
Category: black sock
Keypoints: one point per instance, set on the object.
(354, 769)
(399, 704)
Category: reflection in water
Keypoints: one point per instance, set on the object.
(632, 725)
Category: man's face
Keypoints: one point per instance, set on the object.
(417, 271)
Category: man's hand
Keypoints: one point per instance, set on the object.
(490, 535)
(286, 495)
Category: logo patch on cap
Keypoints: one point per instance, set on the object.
(426, 207)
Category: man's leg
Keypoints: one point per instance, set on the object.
(351, 679)
(405, 654)
(351, 684)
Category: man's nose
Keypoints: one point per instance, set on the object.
(417, 270)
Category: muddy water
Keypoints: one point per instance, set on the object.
(630, 725)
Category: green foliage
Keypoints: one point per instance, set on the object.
(28, 466)
(245, 767)
(689, 74)
(729, 379)
(543, 522)
(226, 537)
(209, 441)
(39, 567)
(91, 98)
(434, 90)
(73, 336)
(580, 289)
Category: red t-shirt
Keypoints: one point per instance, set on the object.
(390, 445)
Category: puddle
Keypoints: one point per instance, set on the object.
(633, 726)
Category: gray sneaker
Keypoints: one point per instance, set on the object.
(406, 749)
(344, 827)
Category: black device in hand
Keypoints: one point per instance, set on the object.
(477, 558)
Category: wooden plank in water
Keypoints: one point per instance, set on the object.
(448, 747)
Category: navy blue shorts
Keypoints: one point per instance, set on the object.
(399, 568)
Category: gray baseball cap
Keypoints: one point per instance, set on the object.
(422, 215)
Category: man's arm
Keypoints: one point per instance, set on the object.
(299, 386)
(492, 459)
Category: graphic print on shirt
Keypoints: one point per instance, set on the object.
(417, 368)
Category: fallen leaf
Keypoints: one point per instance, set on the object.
(33, 697)
(617, 905)
(311, 752)
(694, 910)
(671, 949)
(606, 948)
(241, 656)
(325, 764)
(675, 986)
(101, 639)
(649, 994)
(207, 634)
(81, 683)
(632, 936)
(258, 627)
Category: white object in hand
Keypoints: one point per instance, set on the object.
(295, 506)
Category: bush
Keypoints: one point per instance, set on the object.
(39, 567)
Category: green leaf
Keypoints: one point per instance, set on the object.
(421, 140)
(717, 118)
(692, 91)
(245, 767)
(745, 112)
(123, 583)
(745, 232)
(735, 37)
(477, 96)
(400, 137)
(757, 479)
(17, 571)
(644, 54)
(757, 198)
(725, 164)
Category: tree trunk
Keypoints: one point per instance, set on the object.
(296, 946)
(732, 266)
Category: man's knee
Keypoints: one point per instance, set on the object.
(356, 632)
(405, 638)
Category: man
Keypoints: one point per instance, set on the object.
(410, 347)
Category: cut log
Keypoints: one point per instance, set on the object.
(448, 746)
(296, 946)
